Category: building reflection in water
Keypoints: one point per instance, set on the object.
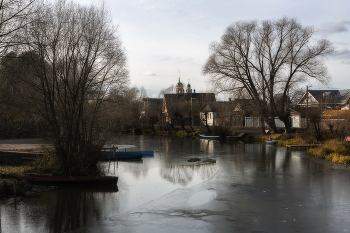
(208, 145)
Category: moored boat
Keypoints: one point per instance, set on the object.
(68, 181)
(210, 136)
(10, 158)
(108, 155)
(118, 153)
(271, 142)
(23, 155)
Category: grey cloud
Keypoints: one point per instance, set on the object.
(337, 26)
(343, 55)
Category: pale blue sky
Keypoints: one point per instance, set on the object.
(162, 37)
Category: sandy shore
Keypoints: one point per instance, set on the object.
(32, 144)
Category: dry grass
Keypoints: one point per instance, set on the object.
(332, 150)
(10, 171)
(41, 165)
(292, 141)
(264, 137)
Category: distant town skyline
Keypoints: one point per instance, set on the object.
(163, 37)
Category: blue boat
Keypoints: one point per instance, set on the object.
(119, 152)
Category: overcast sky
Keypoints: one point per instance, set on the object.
(162, 37)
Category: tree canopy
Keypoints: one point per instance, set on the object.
(76, 58)
(263, 59)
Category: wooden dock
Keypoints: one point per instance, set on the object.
(302, 146)
(235, 137)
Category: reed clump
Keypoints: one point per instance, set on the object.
(292, 141)
(333, 150)
(10, 171)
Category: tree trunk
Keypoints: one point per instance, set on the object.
(262, 125)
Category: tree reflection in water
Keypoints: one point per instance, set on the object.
(73, 209)
(185, 173)
(59, 210)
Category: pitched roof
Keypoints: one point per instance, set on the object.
(196, 97)
(342, 96)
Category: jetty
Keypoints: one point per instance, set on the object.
(236, 137)
(302, 146)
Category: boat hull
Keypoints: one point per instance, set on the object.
(122, 157)
(271, 142)
(23, 155)
(117, 153)
(209, 136)
(69, 181)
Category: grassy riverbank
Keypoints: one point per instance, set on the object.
(330, 150)
(333, 150)
(9, 186)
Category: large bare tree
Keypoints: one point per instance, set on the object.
(77, 58)
(14, 16)
(264, 59)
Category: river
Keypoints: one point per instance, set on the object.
(250, 188)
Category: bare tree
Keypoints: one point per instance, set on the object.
(14, 16)
(177, 110)
(168, 90)
(76, 57)
(265, 59)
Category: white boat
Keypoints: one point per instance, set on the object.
(210, 136)
(271, 142)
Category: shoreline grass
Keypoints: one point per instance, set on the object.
(333, 150)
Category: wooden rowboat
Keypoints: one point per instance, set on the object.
(68, 181)
(118, 153)
(23, 155)
(110, 156)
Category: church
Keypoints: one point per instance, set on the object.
(180, 88)
(185, 102)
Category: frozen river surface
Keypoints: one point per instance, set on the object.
(250, 188)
